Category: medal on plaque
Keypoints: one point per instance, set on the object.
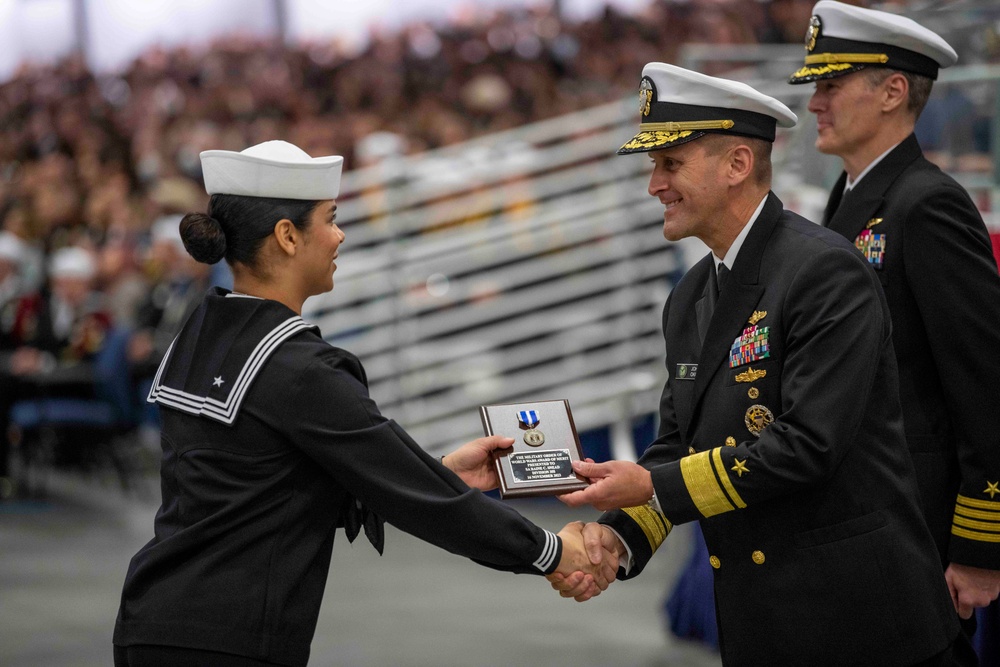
(538, 464)
(528, 420)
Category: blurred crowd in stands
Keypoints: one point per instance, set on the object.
(95, 168)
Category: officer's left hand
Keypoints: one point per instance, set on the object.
(613, 484)
(473, 461)
(971, 587)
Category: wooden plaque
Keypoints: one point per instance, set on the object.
(540, 462)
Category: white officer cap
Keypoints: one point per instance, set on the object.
(677, 106)
(843, 38)
(11, 248)
(72, 262)
(272, 169)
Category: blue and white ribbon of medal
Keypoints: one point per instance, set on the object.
(528, 420)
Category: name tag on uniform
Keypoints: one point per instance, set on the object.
(686, 372)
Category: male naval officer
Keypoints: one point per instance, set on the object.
(927, 243)
(781, 429)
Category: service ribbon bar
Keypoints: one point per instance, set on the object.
(751, 345)
(872, 246)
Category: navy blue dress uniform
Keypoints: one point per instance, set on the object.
(930, 249)
(781, 432)
(270, 444)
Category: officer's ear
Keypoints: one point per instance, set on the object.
(741, 163)
(895, 92)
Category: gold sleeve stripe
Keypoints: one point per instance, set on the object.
(825, 69)
(986, 526)
(980, 504)
(653, 524)
(975, 535)
(708, 482)
(976, 514)
(837, 58)
(702, 485)
(723, 474)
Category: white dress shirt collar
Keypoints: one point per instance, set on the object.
(730, 259)
(849, 184)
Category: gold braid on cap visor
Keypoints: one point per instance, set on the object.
(653, 139)
(652, 135)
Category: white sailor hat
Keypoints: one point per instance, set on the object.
(842, 39)
(272, 169)
(72, 262)
(677, 106)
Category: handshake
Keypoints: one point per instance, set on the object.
(590, 557)
(592, 552)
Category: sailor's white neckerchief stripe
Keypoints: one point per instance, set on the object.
(225, 412)
(549, 552)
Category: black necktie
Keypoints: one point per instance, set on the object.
(723, 275)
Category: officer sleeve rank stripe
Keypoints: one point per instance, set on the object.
(993, 505)
(702, 473)
(727, 484)
(985, 526)
(653, 524)
(976, 519)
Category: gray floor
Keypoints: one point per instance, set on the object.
(62, 562)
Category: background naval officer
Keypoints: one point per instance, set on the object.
(923, 236)
(780, 421)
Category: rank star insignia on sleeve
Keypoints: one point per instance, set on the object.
(740, 467)
(991, 488)
(218, 382)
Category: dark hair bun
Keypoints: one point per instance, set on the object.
(203, 238)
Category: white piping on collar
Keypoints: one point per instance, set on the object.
(226, 412)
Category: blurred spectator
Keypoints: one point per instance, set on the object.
(12, 253)
(178, 283)
(50, 338)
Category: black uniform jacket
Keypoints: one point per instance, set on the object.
(269, 440)
(940, 278)
(818, 548)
